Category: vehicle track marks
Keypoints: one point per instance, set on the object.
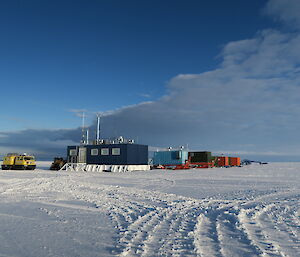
(152, 223)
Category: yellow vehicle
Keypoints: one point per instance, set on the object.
(14, 161)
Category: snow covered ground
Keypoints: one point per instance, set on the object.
(248, 211)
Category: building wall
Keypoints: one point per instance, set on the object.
(72, 159)
(222, 161)
(137, 154)
(197, 157)
(234, 161)
(170, 157)
(107, 159)
(130, 154)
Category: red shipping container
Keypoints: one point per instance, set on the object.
(235, 161)
(222, 161)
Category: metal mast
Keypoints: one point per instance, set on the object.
(83, 132)
(98, 127)
(87, 136)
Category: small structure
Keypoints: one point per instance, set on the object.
(108, 155)
(116, 155)
(234, 161)
(181, 159)
(221, 161)
(172, 159)
(202, 159)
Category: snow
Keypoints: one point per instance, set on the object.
(248, 211)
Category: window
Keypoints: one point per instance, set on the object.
(104, 151)
(73, 152)
(179, 155)
(94, 151)
(115, 151)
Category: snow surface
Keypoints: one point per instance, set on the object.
(248, 211)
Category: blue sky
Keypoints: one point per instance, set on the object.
(216, 75)
(101, 55)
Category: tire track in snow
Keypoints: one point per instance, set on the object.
(252, 226)
(159, 224)
(272, 224)
(206, 238)
(164, 229)
(219, 233)
(233, 240)
(268, 219)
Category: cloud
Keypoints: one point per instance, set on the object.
(145, 95)
(79, 112)
(249, 105)
(43, 143)
(286, 11)
(121, 109)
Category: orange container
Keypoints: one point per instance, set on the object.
(235, 161)
(222, 161)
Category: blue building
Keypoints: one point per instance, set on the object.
(175, 157)
(109, 154)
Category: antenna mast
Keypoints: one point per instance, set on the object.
(98, 127)
(83, 127)
(87, 136)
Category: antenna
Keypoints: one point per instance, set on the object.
(87, 136)
(83, 126)
(98, 128)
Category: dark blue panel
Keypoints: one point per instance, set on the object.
(137, 154)
(130, 154)
(107, 159)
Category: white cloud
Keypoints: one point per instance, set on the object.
(284, 10)
(120, 109)
(145, 95)
(79, 112)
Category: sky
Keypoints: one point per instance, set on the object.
(212, 75)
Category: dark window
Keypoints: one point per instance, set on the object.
(104, 151)
(115, 151)
(94, 152)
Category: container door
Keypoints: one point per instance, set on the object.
(82, 155)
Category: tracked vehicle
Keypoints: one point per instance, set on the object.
(58, 163)
(14, 161)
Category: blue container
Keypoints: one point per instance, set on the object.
(177, 157)
(109, 154)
